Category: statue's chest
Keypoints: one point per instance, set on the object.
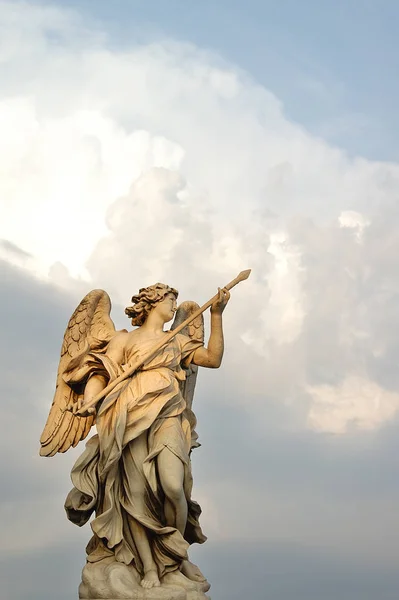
(168, 355)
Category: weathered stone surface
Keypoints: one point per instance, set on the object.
(110, 580)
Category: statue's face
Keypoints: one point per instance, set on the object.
(167, 307)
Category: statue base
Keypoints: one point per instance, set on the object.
(110, 580)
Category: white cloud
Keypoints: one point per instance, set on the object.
(354, 220)
(163, 162)
(356, 403)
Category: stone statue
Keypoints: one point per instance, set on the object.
(135, 475)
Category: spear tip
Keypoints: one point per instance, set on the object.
(244, 275)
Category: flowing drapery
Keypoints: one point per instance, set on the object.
(116, 476)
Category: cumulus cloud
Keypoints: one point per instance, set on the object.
(163, 162)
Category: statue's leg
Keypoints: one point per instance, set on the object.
(134, 493)
(171, 475)
(150, 578)
(169, 513)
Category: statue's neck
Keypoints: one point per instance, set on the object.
(154, 324)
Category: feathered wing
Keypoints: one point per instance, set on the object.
(194, 330)
(90, 327)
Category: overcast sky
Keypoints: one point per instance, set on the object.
(183, 142)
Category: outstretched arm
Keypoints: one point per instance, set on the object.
(211, 356)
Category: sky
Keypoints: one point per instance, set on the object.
(183, 142)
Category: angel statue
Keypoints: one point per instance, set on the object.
(135, 474)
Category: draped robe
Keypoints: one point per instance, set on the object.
(116, 476)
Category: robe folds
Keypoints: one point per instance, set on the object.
(116, 476)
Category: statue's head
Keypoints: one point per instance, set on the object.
(146, 300)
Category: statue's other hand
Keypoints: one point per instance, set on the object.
(82, 410)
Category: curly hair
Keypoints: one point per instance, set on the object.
(145, 300)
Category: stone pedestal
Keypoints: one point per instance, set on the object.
(110, 580)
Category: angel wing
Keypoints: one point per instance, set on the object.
(194, 330)
(90, 327)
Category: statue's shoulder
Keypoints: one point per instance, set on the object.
(120, 338)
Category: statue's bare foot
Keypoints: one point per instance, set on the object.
(191, 571)
(150, 579)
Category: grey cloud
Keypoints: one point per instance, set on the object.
(33, 316)
(14, 249)
(284, 571)
(279, 571)
(50, 573)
